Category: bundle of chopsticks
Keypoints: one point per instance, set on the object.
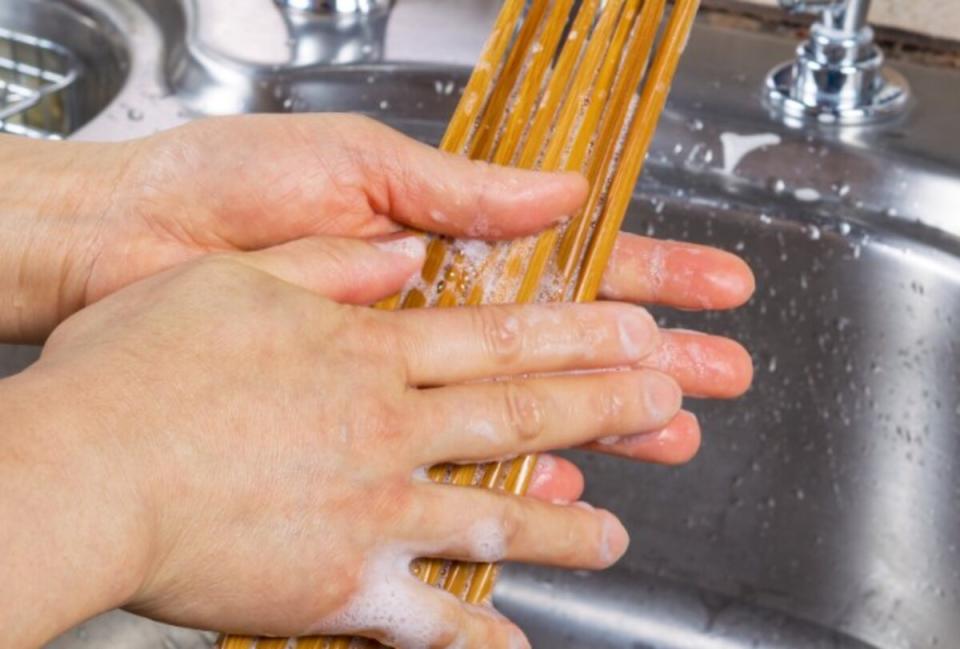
(558, 87)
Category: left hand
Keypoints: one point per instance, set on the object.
(253, 182)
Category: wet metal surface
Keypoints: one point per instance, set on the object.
(821, 511)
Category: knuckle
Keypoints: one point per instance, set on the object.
(610, 400)
(524, 411)
(448, 634)
(500, 332)
(511, 517)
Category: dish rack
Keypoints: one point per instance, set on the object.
(36, 77)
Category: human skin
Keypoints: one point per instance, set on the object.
(80, 220)
(120, 485)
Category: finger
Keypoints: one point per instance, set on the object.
(704, 366)
(422, 187)
(676, 274)
(401, 611)
(485, 421)
(344, 270)
(471, 524)
(555, 480)
(676, 443)
(469, 343)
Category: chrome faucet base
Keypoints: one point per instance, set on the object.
(337, 7)
(888, 90)
(838, 76)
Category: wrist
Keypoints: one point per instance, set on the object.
(54, 200)
(72, 529)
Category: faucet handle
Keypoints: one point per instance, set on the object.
(337, 7)
(809, 6)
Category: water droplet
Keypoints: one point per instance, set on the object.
(384, 104)
(813, 232)
(695, 124)
(135, 114)
(843, 228)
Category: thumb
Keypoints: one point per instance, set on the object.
(430, 190)
(350, 271)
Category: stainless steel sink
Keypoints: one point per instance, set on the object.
(821, 511)
(61, 63)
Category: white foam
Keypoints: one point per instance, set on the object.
(627, 343)
(736, 147)
(484, 429)
(488, 540)
(390, 601)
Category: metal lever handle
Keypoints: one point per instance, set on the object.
(809, 6)
(846, 16)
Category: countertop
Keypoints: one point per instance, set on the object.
(937, 18)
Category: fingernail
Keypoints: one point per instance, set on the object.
(637, 331)
(663, 396)
(543, 472)
(613, 539)
(410, 246)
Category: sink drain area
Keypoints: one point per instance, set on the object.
(36, 76)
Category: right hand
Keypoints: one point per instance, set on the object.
(264, 442)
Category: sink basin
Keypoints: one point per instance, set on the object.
(61, 63)
(821, 511)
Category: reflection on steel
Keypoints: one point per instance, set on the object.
(821, 511)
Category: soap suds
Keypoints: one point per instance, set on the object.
(488, 541)
(390, 601)
(484, 429)
(631, 347)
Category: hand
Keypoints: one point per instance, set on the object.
(257, 447)
(255, 181)
(122, 212)
(83, 220)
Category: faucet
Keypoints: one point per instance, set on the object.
(838, 76)
(335, 31)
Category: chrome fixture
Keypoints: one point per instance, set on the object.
(337, 7)
(336, 31)
(838, 76)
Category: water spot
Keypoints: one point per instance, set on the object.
(135, 114)
(806, 194)
(736, 147)
(841, 189)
